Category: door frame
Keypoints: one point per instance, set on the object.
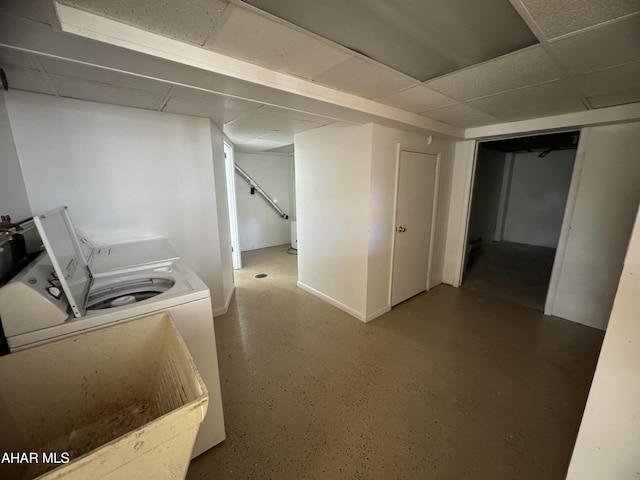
(470, 173)
(229, 161)
(403, 147)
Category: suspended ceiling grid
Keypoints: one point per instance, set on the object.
(496, 62)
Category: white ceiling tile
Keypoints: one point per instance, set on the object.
(258, 126)
(516, 70)
(264, 124)
(454, 113)
(214, 98)
(104, 93)
(421, 38)
(619, 98)
(262, 143)
(417, 99)
(526, 98)
(611, 80)
(298, 126)
(236, 137)
(101, 75)
(219, 115)
(556, 18)
(364, 78)
(295, 115)
(28, 79)
(188, 21)
(285, 137)
(612, 44)
(476, 121)
(546, 110)
(286, 150)
(16, 58)
(274, 44)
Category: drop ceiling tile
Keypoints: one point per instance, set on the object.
(454, 113)
(260, 144)
(417, 99)
(237, 138)
(364, 78)
(295, 115)
(528, 97)
(104, 93)
(286, 150)
(610, 80)
(189, 22)
(28, 79)
(559, 18)
(16, 58)
(619, 98)
(213, 98)
(264, 124)
(241, 132)
(476, 121)
(546, 110)
(274, 44)
(101, 75)
(516, 70)
(219, 115)
(421, 38)
(612, 44)
(285, 137)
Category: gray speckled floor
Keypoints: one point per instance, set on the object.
(512, 271)
(451, 384)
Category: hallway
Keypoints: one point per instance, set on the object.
(451, 384)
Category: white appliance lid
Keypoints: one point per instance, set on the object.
(131, 256)
(64, 249)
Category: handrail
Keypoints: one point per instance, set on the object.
(258, 189)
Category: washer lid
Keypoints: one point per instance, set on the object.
(65, 252)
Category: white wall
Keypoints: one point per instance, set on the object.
(537, 199)
(13, 194)
(486, 194)
(603, 216)
(124, 173)
(333, 172)
(345, 183)
(259, 225)
(382, 202)
(609, 438)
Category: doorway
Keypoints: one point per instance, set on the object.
(264, 196)
(519, 197)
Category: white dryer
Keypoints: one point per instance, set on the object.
(57, 296)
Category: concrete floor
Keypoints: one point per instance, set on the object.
(450, 384)
(511, 271)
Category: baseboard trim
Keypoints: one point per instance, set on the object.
(379, 313)
(222, 310)
(332, 301)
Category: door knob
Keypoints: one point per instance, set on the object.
(401, 229)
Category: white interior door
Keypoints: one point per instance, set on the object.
(414, 226)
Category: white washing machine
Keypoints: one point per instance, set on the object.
(57, 295)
